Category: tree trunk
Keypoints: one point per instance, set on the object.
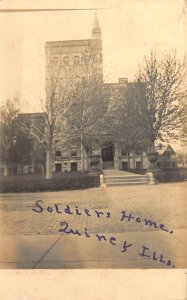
(153, 145)
(142, 166)
(128, 162)
(6, 169)
(82, 155)
(48, 163)
(32, 166)
(134, 158)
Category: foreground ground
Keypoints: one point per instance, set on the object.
(31, 239)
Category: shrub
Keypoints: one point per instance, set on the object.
(169, 175)
(56, 184)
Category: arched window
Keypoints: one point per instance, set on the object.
(55, 61)
(66, 60)
(76, 60)
(87, 59)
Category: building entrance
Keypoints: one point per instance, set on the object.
(73, 167)
(107, 153)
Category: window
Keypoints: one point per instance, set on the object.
(58, 153)
(74, 167)
(124, 165)
(58, 167)
(76, 60)
(138, 165)
(73, 151)
(87, 58)
(55, 61)
(66, 60)
(90, 151)
(124, 152)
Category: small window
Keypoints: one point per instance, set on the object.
(124, 165)
(73, 152)
(58, 153)
(74, 167)
(55, 61)
(87, 58)
(139, 152)
(57, 145)
(90, 151)
(138, 165)
(123, 152)
(58, 167)
(76, 60)
(66, 60)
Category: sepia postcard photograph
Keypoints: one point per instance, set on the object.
(93, 149)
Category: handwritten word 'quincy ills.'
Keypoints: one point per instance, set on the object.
(143, 251)
(125, 217)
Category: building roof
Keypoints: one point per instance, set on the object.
(115, 85)
(36, 114)
(67, 43)
(166, 149)
(31, 116)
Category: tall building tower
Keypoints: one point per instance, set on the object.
(67, 62)
(74, 59)
(97, 48)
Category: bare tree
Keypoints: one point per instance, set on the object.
(61, 95)
(8, 118)
(124, 115)
(161, 101)
(48, 125)
(87, 117)
(124, 125)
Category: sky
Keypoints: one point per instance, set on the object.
(130, 30)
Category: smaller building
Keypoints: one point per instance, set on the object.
(167, 157)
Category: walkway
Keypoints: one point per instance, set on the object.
(31, 239)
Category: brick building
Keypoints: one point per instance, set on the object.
(76, 59)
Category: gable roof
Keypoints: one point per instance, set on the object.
(166, 149)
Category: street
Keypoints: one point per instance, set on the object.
(115, 227)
